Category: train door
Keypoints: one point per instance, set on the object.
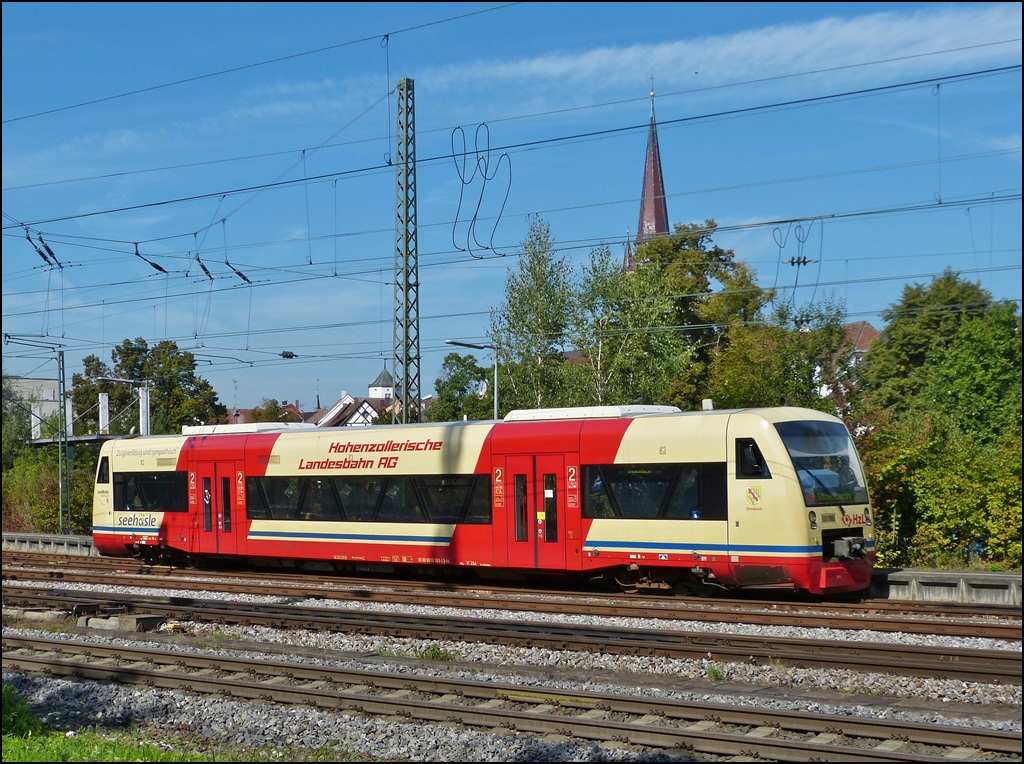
(763, 537)
(536, 500)
(218, 504)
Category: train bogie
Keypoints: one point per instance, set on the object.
(647, 497)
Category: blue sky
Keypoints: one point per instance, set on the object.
(165, 166)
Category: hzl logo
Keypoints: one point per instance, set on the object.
(754, 495)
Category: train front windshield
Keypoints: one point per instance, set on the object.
(825, 461)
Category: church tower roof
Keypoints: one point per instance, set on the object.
(653, 209)
(383, 380)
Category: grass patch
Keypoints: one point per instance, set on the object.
(433, 653)
(90, 746)
(390, 652)
(438, 653)
(714, 672)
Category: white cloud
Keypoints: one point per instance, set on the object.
(765, 52)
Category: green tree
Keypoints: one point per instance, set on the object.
(710, 292)
(775, 363)
(16, 424)
(463, 390)
(530, 327)
(919, 328)
(627, 350)
(178, 396)
(941, 497)
(270, 410)
(976, 380)
(939, 427)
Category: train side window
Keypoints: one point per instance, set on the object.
(749, 461)
(400, 503)
(685, 501)
(127, 497)
(119, 491)
(207, 506)
(640, 490)
(255, 501)
(595, 499)
(163, 491)
(521, 508)
(225, 503)
(445, 496)
(319, 501)
(699, 493)
(551, 508)
(151, 491)
(283, 496)
(359, 496)
(714, 497)
(103, 471)
(479, 510)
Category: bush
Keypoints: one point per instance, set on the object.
(18, 720)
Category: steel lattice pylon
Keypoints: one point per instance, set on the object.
(407, 309)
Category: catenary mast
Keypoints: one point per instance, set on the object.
(406, 407)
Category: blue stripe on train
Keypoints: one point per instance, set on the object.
(694, 545)
(764, 549)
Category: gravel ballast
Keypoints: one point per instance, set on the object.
(70, 704)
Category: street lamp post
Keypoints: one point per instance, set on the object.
(483, 346)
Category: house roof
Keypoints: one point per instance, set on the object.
(861, 334)
(342, 412)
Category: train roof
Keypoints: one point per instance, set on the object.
(251, 428)
(588, 412)
(773, 414)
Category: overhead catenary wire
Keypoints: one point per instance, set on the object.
(255, 64)
(861, 92)
(587, 244)
(532, 115)
(309, 238)
(72, 239)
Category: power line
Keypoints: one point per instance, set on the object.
(517, 117)
(579, 244)
(862, 92)
(373, 354)
(253, 65)
(183, 295)
(70, 239)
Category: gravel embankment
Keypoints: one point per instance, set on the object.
(285, 728)
(221, 722)
(834, 635)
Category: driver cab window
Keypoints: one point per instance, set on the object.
(749, 461)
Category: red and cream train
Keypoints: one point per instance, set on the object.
(644, 496)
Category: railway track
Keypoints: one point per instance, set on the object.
(31, 568)
(703, 728)
(985, 666)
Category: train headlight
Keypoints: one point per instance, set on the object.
(813, 517)
(867, 515)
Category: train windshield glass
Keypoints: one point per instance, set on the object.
(825, 461)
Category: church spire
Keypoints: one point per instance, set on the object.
(653, 209)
